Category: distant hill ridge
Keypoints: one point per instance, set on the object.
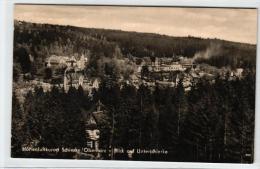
(25, 23)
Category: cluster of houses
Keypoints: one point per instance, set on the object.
(55, 61)
(163, 71)
(168, 72)
(168, 65)
(72, 71)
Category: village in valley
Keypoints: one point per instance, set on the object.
(70, 71)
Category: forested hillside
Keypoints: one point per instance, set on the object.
(41, 40)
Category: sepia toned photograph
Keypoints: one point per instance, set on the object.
(135, 83)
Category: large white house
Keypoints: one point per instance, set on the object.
(166, 65)
(55, 61)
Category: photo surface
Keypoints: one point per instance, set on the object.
(135, 83)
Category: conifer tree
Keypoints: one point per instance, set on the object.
(17, 127)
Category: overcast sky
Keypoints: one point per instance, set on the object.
(230, 24)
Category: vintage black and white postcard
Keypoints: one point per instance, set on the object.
(134, 83)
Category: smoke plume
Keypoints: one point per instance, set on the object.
(214, 49)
